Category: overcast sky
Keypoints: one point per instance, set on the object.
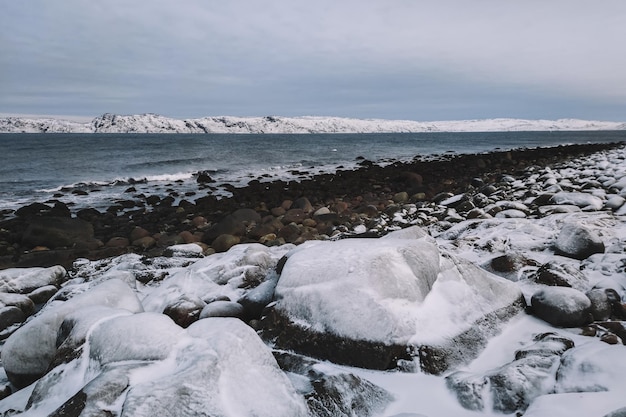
(394, 59)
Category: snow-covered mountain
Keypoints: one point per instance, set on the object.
(152, 123)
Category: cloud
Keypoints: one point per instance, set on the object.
(353, 58)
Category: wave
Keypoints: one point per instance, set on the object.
(166, 162)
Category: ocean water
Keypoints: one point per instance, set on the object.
(36, 167)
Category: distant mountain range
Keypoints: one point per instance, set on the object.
(153, 123)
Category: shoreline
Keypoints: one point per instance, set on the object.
(364, 201)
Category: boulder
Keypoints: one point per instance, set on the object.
(235, 223)
(376, 302)
(222, 309)
(578, 242)
(26, 280)
(223, 369)
(185, 310)
(57, 232)
(333, 395)
(585, 201)
(554, 273)
(28, 352)
(561, 306)
(224, 242)
(513, 386)
(142, 336)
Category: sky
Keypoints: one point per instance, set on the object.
(400, 59)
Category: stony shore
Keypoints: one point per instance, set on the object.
(368, 201)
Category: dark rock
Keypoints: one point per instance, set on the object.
(56, 232)
(223, 309)
(224, 242)
(184, 310)
(562, 307)
(360, 353)
(204, 177)
(302, 203)
(43, 294)
(559, 275)
(9, 316)
(620, 412)
(510, 262)
(32, 210)
(601, 308)
(255, 300)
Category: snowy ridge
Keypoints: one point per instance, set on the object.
(153, 123)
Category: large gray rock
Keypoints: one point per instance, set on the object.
(376, 302)
(562, 306)
(578, 242)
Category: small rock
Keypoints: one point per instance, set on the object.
(224, 242)
(223, 309)
(578, 242)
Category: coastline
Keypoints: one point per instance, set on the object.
(349, 202)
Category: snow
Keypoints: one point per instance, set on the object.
(152, 123)
(141, 364)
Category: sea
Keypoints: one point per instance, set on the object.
(94, 170)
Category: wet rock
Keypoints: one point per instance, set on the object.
(117, 242)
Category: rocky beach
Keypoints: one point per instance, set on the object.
(498, 279)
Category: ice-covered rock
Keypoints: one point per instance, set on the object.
(28, 352)
(25, 280)
(592, 367)
(578, 241)
(513, 386)
(142, 336)
(224, 369)
(371, 302)
(332, 394)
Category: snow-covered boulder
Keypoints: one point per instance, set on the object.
(562, 306)
(225, 369)
(373, 302)
(592, 367)
(578, 242)
(25, 280)
(143, 336)
(585, 201)
(28, 352)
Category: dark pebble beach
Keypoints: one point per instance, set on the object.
(359, 202)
